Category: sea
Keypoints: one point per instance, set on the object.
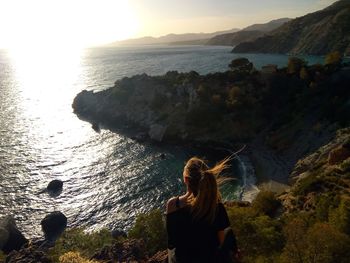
(108, 177)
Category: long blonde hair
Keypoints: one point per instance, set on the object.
(203, 183)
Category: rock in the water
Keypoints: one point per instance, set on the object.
(4, 236)
(10, 237)
(55, 186)
(53, 225)
(156, 132)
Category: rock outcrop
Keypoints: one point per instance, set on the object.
(53, 225)
(10, 237)
(317, 33)
(55, 186)
(132, 250)
(28, 255)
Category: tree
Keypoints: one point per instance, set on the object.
(265, 203)
(151, 228)
(295, 65)
(241, 65)
(340, 217)
(334, 58)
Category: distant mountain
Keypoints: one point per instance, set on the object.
(172, 38)
(272, 25)
(247, 34)
(233, 39)
(317, 34)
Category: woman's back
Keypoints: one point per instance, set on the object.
(195, 240)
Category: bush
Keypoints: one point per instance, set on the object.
(320, 243)
(74, 257)
(241, 65)
(340, 217)
(78, 241)
(295, 65)
(326, 244)
(265, 203)
(151, 228)
(257, 236)
(2, 257)
(333, 58)
(308, 184)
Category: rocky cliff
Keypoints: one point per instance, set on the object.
(317, 33)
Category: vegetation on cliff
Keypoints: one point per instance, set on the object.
(317, 33)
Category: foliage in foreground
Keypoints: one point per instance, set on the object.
(294, 238)
(74, 257)
(151, 228)
(2, 257)
(75, 240)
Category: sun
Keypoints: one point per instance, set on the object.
(65, 23)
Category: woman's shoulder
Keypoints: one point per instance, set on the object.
(171, 205)
(177, 203)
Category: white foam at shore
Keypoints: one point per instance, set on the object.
(249, 188)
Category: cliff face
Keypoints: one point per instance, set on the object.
(317, 33)
(322, 178)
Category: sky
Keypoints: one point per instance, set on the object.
(80, 23)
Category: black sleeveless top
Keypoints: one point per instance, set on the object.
(195, 241)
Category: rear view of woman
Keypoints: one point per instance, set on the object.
(197, 222)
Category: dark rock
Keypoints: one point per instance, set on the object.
(338, 155)
(55, 186)
(162, 156)
(96, 127)
(116, 233)
(53, 225)
(132, 250)
(10, 237)
(28, 255)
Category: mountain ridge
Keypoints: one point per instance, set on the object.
(316, 33)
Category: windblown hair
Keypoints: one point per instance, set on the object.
(203, 182)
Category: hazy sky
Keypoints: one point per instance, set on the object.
(88, 22)
(161, 17)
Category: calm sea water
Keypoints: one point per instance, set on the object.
(108, 178)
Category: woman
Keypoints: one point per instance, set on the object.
(196, 221)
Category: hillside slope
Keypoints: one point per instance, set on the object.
(247, 34)
(317, 33)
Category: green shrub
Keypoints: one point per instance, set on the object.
(295, 65)
(309, 184)
(340, 217)
(333, 58)
(151, 228)
(256, 235)
(2, 257)
(265, 203)
(326, 244)
(74, 257)
(321, 243)
(84, 243)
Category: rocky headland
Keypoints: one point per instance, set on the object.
(315, 34)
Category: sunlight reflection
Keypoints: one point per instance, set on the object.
(47, 81)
